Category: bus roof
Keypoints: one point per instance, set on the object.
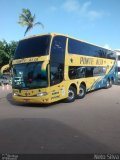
(54, 34)
(117, 51)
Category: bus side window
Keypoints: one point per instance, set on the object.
(99, 71)
(72, 72)
(80, 72)
(103, 70)
(58, 49)
(76, 72)
(89, 72)
(96, 71)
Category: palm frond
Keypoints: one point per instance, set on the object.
(27, 13)
(39, 23)
(23, 20)
(24, 17)
(23, 23)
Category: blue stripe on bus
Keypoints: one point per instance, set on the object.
(101, 82)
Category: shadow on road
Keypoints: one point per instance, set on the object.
(43, 135)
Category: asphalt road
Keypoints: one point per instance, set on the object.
(90, 125)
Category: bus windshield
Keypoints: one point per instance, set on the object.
(29, 76)
(33, 47)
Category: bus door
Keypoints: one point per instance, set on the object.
(57, 88)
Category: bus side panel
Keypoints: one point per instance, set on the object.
(101, 81)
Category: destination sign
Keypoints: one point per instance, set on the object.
(32, 59)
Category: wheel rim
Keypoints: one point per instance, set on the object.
(71, 94)
(81, 92)
(108, 83)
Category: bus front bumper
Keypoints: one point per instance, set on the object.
(41, 100)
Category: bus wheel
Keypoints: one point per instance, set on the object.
(111, 82)
(82, 92)
(71, 95)
(108, 84)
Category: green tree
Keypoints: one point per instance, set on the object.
(28, 20)
(7, 51)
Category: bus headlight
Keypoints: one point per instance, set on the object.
(42, 94)
(15, 94)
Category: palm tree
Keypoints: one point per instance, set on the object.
(27, 19)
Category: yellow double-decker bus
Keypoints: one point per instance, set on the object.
(52, 67)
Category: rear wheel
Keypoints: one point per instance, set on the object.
(71, 95)
(108, 83)
(111, 83)
(113, 80)
(82, 92)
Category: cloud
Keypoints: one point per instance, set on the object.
(95, 15)
(83, 10)
(71, 5)
(107, 46)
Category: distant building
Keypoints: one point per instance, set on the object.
(118, 61)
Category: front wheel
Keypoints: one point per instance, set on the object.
(71, 95)
(82, 92)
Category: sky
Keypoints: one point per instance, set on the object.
(94, 21)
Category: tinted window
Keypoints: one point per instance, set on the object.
(100, 52)
(72, 73)
(89, 72)
(111, 55)
(76, 72)
(82, 48)
(29, 75)
(33, 47)
(56, 73)
(99, 71)
(58, 49)
(82, 72)
(77, 47)
(57, 59)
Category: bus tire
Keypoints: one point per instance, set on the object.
(71, 95)
(82, 92)
(111, 83)
(113, 80)
(108, 84)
